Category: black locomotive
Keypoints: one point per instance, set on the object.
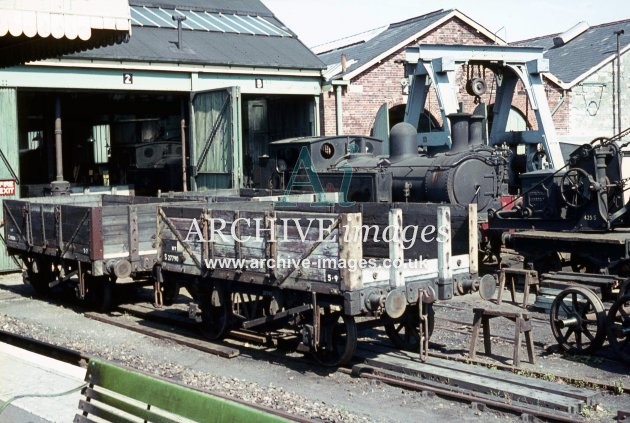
(358, 167)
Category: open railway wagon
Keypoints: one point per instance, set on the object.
(93, 239)
(90, 242)
(313, 269)
(579, 212)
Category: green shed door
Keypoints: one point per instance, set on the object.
(216, 148)
(9, 162)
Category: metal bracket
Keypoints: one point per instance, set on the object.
(316, 323)
(423, 330)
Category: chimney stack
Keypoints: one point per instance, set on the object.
(179, 19)
(344, 62)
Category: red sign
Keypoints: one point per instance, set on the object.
(7, 187)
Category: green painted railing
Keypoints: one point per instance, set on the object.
(116, 394)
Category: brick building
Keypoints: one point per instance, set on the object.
(373, 75)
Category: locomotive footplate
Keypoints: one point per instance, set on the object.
(614, 245)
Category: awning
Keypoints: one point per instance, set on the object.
(38, 29)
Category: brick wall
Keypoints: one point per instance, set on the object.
(381, 83)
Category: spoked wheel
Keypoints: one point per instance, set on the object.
(578, 321)
(39, 274)
(337, 339)
(404, 332)
(619, 328)
(216, 312)
(99, 293)
(576, 185)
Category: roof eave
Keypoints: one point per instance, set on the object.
(592, 70)
(455, 13)
(113, 63)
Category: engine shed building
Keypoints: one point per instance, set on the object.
(585, 78)
(200, 88)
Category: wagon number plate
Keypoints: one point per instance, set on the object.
(332, 276)
(170, 253)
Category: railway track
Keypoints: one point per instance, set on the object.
(482, 387)
(377, 362)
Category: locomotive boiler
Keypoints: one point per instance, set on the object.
(467, 173)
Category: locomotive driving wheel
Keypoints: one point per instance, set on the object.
(619, 328)
(404, 332)
(216, 312)
(337, 339)
(578, 321)
(576, 187)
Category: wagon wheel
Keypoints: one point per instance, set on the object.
(578, 321)
(337, 339)
(619, 328)
(404, 332)
(576, 185)
(39, 274)
(99, 292)
(170, 288)
(216, 314)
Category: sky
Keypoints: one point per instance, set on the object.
(320, 21)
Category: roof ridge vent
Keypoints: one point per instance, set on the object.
(570, 34)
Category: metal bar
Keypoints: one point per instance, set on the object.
(74, 234)
(445, 272)
(383, 376)
(182, 125)
(472, 53)
(9, 168)
(619, 33)
(220, 350)
(281, 315)
(396, 249)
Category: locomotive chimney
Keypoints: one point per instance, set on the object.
(475, 130)
(402, 141)
(459, 130)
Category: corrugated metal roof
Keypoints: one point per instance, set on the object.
(364, 52)
(230, 42)
(35, 29)
(584, 54)
(236, 6)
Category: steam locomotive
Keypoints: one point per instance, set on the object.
(469, 172)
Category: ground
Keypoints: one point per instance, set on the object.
(290, 381)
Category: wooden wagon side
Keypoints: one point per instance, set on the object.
(260, 264)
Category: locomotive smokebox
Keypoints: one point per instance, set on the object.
(403, 141)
